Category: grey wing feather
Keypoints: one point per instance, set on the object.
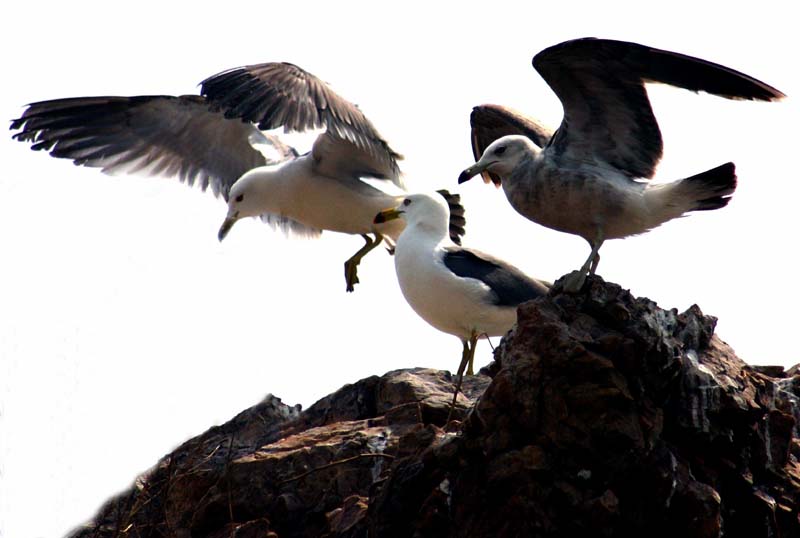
(156, 135)
(337, 158)
(280, 94)
(510, 285)
(490, 122)
(607, 114)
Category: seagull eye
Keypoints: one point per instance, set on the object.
(406, 202)
(500, 150)
(240, 198)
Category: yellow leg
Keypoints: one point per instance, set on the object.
(351, 265)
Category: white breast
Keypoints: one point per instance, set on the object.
(326, 203)
(452, 304)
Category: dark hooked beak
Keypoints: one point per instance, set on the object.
(473, 171)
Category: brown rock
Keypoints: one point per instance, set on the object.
(274, 470)
(606, 416)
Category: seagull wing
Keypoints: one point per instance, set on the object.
(340, 159)
(158, 135)
(154, 134)
(607, 115)
(510, 285)
(457, 222)
(281, 94)
(490, 122)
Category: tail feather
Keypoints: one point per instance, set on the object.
(705, 191)
(711, 189)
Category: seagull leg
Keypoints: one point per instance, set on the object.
(595, 263)
(467, 356)
(390, 246)
(575, 280)
(473, 341)
(351, 265)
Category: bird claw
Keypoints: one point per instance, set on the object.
(574, 281)
(351, 276)
(351, 282)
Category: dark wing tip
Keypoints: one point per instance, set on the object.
(651, 64)
(457, 219)
(509, 285)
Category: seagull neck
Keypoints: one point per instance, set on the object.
(521, 170)
(423, 233)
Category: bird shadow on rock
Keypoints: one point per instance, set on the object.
(602, 415)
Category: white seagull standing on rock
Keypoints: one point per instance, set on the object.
(458, 290)
(588, 177)
(189, 137)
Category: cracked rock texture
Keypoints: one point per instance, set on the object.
(604, 416)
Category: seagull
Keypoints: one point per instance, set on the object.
(324, 188)
(589, 178)
(460, 291)
(191, 138)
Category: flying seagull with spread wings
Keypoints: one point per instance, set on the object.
(191, 138)
(587, 177)
(460, 291)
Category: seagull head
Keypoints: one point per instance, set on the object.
(244, 200)
(500, 157)
(420, 211)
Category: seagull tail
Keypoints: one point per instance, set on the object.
(708, 190)
(711, 189)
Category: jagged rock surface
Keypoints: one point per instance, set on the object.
(606, 416)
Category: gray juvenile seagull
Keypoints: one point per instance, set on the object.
(161, 135)
(586, 178)
(460, 291)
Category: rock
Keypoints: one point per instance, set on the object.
(605, 416)
(274, 470)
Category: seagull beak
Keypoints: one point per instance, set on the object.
(387, 215)
(230, 220)
(473, 171)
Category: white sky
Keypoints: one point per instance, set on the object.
(126, 328)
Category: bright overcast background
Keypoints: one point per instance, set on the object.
(126, 328)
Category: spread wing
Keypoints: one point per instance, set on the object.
(510, 285)
(281, 94)
(490, 122)
(607, 114)
(157, 135)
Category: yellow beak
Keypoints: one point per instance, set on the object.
(387, 215)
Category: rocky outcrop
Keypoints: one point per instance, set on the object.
(604, 416)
